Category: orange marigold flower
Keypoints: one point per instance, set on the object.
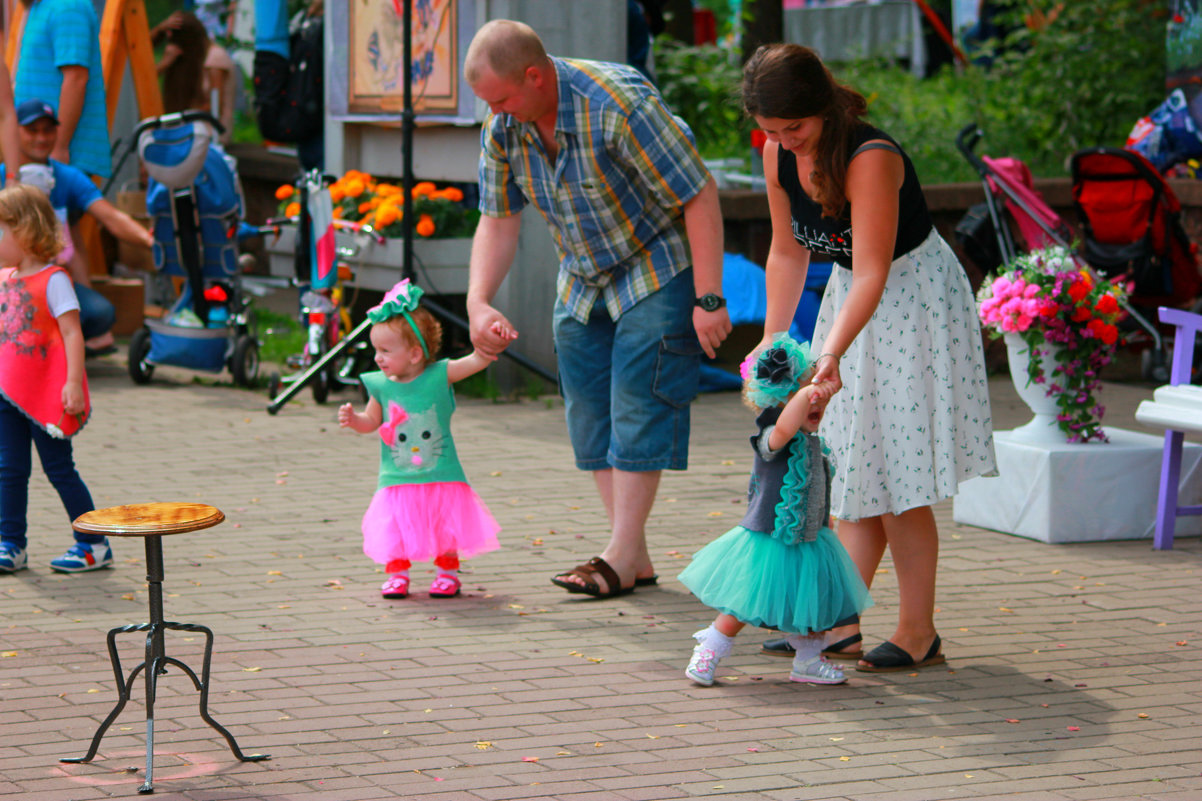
(292, 209)
(453, 193)
(354, 187)
(284, 192)
(425, 226)
(365, 207)
(387, 190)
(387, 214)
(424, 188)
(338, 212)
(337, 193)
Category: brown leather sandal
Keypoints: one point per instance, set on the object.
(587, 572)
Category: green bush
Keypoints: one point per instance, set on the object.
(700, 84)
(1082, 79)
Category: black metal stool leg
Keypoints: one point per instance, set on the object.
(123, 693)
(154, 668)
(204, 700)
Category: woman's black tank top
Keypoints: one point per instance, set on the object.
(831, 237)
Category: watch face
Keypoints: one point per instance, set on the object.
(709, 302)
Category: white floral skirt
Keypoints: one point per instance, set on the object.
(912, 420)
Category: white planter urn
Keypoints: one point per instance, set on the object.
(1043, 427)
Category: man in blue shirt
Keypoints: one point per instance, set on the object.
(72, 193)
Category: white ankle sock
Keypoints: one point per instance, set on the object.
(442, 571)
(806, 646)
(715, 640)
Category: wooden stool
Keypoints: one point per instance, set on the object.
(151, 521)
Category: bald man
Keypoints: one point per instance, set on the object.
(634, 214)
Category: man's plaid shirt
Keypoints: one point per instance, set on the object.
(614, 197)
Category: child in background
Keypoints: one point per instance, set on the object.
(423, 508)
(43, 387)
(782, 567)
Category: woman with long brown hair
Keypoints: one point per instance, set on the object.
(897, 331)
(193, 67)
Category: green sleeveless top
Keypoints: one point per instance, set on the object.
(416, 446)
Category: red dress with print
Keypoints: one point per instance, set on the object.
(33, 357)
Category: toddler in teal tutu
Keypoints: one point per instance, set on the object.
(781, 567)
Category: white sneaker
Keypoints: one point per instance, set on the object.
(82, 557)
(703, 664)
(12, 558)
(816, 670)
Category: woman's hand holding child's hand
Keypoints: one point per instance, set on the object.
(826, 369)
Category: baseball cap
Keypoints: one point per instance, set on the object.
(33, 110)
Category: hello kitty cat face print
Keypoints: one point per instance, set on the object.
(415, 440)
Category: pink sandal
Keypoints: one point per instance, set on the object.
(395, 587)
(445, 586)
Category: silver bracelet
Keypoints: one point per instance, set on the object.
(822, 356)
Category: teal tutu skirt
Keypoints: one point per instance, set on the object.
(759, 580)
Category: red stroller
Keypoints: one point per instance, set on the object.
(1121, 221)
(1132, 224)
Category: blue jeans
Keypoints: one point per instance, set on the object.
(96, 314)
(16, 433)
(627, 384)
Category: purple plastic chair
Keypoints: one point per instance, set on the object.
(1178, 407)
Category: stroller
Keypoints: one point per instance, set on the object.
(1008, 180)
(195, 202)
(1132, 224)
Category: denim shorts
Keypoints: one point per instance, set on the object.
(627, 384)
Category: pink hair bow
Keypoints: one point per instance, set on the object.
(396, 416)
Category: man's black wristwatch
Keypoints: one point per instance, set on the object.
(710, 302)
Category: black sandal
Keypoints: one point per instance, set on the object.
(587, 572)
(890, 658)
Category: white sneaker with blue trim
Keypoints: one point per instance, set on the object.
(82, 557)
(12, 558)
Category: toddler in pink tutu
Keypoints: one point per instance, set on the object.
(423, 509)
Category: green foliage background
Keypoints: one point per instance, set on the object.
(1081, 80)
(700, 83)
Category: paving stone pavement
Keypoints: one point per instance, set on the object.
(1072, 672)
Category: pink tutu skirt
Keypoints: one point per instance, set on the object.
(421, 521)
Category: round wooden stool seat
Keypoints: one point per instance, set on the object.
(148, 519)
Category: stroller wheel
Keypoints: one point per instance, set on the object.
(320, 385)
(139, 348)
(274, 382)
(245, 361)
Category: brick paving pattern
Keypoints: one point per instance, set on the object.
(1072, 669)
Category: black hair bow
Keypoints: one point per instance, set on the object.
(773, 366)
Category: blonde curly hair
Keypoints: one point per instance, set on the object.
(26, 210)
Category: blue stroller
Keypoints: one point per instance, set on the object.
(195, 202)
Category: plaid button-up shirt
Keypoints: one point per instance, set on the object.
(614, 197)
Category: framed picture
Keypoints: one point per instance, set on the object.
(376, 79)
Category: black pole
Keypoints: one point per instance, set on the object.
(407, 146)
